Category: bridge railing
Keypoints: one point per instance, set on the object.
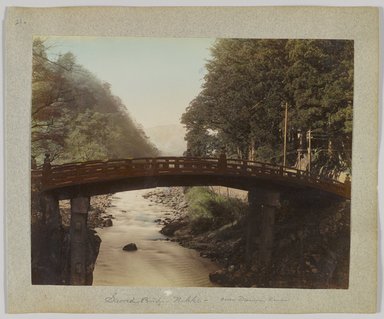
(93, 171)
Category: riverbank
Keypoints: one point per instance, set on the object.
(311, 243)
(223, 246)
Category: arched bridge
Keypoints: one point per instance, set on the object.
(98, 177)
(264, 182)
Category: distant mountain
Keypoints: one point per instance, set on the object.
(169, 139)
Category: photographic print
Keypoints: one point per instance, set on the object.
(191, 162)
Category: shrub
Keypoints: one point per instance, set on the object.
(209, 210)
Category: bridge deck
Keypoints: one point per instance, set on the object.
(77, 174)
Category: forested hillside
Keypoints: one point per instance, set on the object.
(75, 117)
(249, 82)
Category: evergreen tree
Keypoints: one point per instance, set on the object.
(247, 85)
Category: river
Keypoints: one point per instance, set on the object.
(157, 262)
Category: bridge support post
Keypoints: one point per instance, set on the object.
(78, 238)
(46, 242)
(263, 204)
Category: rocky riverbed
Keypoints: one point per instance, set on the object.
(224, 246)
(311, 247)
(174, 199)
(133, 252)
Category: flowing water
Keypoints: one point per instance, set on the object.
(157, 262)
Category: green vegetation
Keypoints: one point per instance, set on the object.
(249, 81)
(208, 210)
(75, 117)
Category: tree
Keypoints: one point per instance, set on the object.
(249, 81)
(75, 117)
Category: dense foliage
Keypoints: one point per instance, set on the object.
(75, 117)
(209, 210)
(247, 85)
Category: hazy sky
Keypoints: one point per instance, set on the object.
(156, 78)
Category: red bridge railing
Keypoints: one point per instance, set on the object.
(98, 171)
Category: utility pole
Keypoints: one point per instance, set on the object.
(301, 148)
(309, 133)
(285, 134)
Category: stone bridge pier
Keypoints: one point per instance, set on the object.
(78, 240)
(263, 204)
(46, 240)
(79, 246)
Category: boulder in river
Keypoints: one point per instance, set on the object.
(107, 222)
(130, 247)
(219, 276)
(172, 226)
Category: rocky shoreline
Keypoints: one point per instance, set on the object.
(311, 248)
(223, 246)
(174, 199)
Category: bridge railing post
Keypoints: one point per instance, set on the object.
(154, 167)
(166, 165)
(222, 162)
(128, 165)
(298, 174)
(46, 174)
(244, 167)
(347, 186)
(263, 170)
